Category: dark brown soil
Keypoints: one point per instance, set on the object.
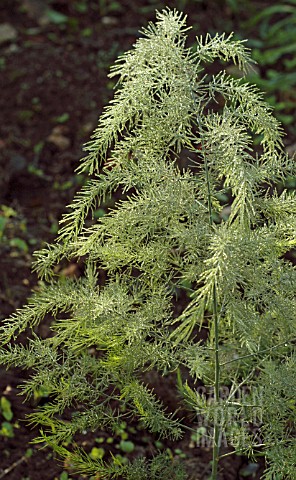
(53, 87)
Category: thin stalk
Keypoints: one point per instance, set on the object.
(286, 342)
(215, 458)
(216, 389)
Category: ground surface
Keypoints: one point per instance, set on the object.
(53, 67)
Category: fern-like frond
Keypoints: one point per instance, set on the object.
(224, 48)
(150, 410)
(248, 105)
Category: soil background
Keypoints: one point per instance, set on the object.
(54, 60)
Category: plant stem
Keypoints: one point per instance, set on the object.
(215, 457)
(216, 388)
(286, 342)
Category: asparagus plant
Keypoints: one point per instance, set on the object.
(194, 160)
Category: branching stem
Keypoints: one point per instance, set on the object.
(215, 458)
(286, 342)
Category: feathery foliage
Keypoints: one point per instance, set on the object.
(171, 232)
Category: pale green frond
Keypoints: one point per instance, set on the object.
(150, 410)
(64, 295)
(36, 352)
(279, 207)
(47, 258)
(278, 397)
(248, 105)
(146, 94)
(224, 48)
(228, 146)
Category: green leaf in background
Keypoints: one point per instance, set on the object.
(6, 430)
(3, 222)
(62, 118)
(19, 243)
(56, 17)
(127, 446)
(100, 212)
(267, 12)
(80, 7)
(5, 407)
(64, 476)
(97, 453)
(249, 470)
